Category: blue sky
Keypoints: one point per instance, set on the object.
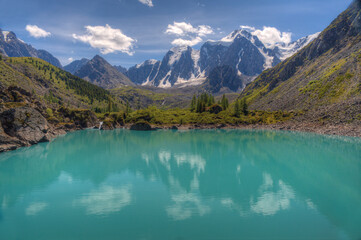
(127, 32)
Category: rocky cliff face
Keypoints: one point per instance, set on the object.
(21, 123)
(11, 46)
(99, 72)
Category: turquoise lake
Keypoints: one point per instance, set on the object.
(197, 184)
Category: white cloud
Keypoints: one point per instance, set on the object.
(35, 208)
(185, 42)
(185, 205)
(107, 39)
(149, 3)
(271, 202)
(271, 36)
(248, 28)
(70, 59)
(194, 161)
(105, 200)
(190, 35)
(37, 32)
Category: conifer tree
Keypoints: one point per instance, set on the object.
(194, 103)
(224, 102)
(237, 108)
(127, 108)
(109, 108)
(244, 106)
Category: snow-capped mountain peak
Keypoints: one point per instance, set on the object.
(238, 33)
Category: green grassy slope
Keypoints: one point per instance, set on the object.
(51, 84)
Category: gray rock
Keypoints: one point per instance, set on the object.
(25, 124)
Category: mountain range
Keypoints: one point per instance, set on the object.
(240, 52)
(12, 46)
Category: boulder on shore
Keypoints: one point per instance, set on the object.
(141, 126)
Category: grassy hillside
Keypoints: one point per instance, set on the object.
(51, 84)
(322, 80)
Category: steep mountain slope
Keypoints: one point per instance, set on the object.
(99, 72)
(121, 69)
(223, 79)
(142, 74)
(323, 79)
(11, 46)
(74, 66)
(241, 50)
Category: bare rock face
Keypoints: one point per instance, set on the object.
(25, 124)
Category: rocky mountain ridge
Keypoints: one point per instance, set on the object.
(12, 46)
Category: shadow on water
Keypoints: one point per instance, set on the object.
(246, 170)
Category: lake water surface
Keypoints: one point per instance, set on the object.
(199, 184)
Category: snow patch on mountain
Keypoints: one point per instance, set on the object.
(292, 48)
(176, 54)
(147, 62)
(5, 33)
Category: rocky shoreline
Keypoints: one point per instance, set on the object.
(44, 133)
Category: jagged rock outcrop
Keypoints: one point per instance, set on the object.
(21, 123)
(26, 124)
